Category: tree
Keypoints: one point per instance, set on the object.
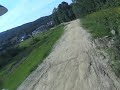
(88, 6)
(55, 16)
(63, 13)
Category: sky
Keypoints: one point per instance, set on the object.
(24, 11)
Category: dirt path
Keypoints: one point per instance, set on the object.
(74, 64)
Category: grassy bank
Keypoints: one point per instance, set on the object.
(100, 24)
(42, 46)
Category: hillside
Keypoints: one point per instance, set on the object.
(104, 27)
(19, 31)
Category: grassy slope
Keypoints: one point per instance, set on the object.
(41, 49)
(100, 24)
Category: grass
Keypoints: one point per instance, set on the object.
(41, 49)
(101, 23)
(25, 43)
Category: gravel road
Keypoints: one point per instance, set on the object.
(74, 64)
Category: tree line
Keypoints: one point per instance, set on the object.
(80, 8)
(63, 13)
(88, 6)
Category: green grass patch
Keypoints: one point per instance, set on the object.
(41, 49)
(101, 23)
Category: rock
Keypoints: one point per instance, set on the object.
(113, 32)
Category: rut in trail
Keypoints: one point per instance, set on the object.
(74, 64)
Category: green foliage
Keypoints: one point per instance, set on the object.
(63, 13)
(8, 54)
(40, 50)
(55, 16)
(88, 6)
(76, 9)
(101, 23)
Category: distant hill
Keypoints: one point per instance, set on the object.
(28, 28)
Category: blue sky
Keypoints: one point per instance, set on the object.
(23, 11)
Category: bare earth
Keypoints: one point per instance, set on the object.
(74, 64)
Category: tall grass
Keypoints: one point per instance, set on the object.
(101, 23)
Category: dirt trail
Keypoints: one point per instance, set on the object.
(74, 64)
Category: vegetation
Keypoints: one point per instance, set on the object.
(63, 13)
(101, 23)
(86, 7)
(41, 47)
(101, 17)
